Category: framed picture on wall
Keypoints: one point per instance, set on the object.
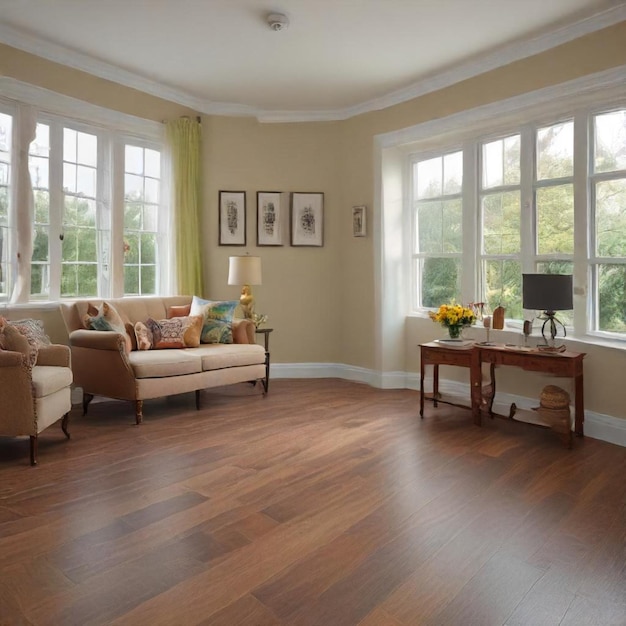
(359, 226)
(269, 218)
(307, 219)
(232, 218)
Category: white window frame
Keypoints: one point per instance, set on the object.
(582, 179)
(113, 130)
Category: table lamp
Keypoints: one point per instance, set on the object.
(246, 271)
(548, 293)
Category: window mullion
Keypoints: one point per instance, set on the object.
(471, 286)
(583, 224)
(528, 222)
(56, 207)
(117, 216)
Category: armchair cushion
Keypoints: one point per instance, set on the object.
(48, 379)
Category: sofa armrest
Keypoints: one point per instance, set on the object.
(97, 340)
(243, 331)
(56, 354)
(8, 358)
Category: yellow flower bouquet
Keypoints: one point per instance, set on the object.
(454, 317)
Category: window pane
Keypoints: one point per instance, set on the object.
(555, 151)
(86, 181)
(4, 205)
(131, 279)
(612, 295)
(132, 249)
(150, 218)
(86, 244)
(69, 178)
(69, 145)
(611, 218)
(148, 280)
(4, 173)
(87, 151)
(439, 226)
(132, 215)
(428, 178)
(86, 212)
(501, 223)
(133, 187)
(441, 281)
(501, 162)
(610, 141)
(503, 286)
(148, 248)
(39, 280)
(151, 190)
(40, 245)
(555, 219)
(453, 173)
(153, 163)
(133, 163)
(42, 207)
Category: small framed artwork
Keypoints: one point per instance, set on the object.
(307, 219)
(232, 218)
(359, 225)
(269, 218)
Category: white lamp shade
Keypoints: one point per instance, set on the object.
(244, 270)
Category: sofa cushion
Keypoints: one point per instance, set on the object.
(163, 363)
(180, 310)
(106, 318)
(48, 379)
(217, 356)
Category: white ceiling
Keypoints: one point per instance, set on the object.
(336, 59)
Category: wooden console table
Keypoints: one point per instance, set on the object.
(564, 364)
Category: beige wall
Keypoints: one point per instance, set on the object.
(321, 301)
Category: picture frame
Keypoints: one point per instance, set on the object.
(359, 221)
(307, 219)
(232, 218)
(269, 218)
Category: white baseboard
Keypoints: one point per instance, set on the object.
(598, 426)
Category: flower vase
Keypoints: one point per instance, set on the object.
(454, 332)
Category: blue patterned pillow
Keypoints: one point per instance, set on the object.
(217, 316)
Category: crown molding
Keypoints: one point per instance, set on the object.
(498, 58)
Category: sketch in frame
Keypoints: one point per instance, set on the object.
(307, 219)
(232, 218)
(269, 218)
(359, 223)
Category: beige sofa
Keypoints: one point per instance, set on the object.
(103, 366)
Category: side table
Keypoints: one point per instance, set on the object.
(266, 336)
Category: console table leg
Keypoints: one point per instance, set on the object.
(579, 406)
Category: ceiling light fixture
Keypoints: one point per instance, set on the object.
(277, 21)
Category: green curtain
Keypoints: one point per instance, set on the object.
(183, 137)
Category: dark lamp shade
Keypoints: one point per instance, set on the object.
(547, 292)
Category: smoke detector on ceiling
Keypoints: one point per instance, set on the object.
(277, 21)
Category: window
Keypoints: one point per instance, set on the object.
(98, 226)
(142, 181)
(438, 235)
(500, 209)
(608, 192)
(527, 198)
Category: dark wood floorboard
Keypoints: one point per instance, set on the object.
(324, 503)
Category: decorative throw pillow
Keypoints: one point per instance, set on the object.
(177, 332)
(106, 318)
(213, 311)
(11, 339)
(33, 330)
(144, 336)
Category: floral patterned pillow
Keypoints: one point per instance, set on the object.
(217, 319)
(177, 332)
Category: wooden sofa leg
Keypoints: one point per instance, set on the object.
(64, 423)
(87, 398)
(138, 412)
(197, 399)
(33, 449)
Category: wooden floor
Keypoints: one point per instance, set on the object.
(325, 503)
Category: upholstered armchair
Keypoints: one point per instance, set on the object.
(34, 397)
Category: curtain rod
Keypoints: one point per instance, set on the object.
(198, 119)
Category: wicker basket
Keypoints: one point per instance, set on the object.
(553, 397)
